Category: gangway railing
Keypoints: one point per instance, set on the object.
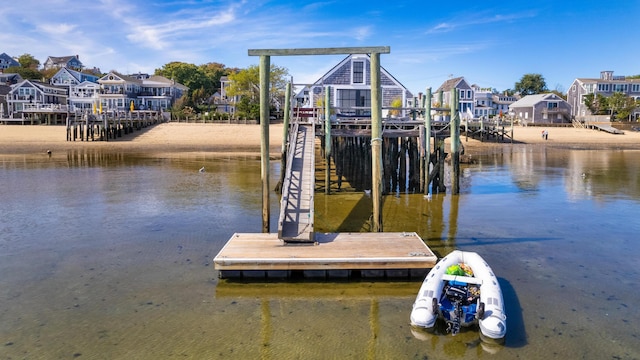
(295, 223)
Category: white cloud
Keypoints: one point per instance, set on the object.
(57, 29)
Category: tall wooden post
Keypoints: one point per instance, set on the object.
(327, 139)
(285, 137)
(512, 129)
(265, 68)
(427, 138)
(376, 142)
(455, 142)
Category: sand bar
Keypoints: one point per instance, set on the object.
(240, 138)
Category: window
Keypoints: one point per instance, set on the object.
(635, 87)
(358, 72)
(620, 88)
(552, 105)
(468, 94)
(350, 100)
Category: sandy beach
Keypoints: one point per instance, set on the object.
(240, 138)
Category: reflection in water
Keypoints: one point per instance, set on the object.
(109, 256)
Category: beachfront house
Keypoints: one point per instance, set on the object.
(159, 93)
(488, 103)
(605, 85)
(38, 99)
(31, 94)
(83, 88)
(146, 92)
(442, 96)
(7, 61)
(541, 109)
(58, 62)
(117, 91)
(350, 84)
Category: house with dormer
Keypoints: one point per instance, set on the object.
(606, 85)
(159, 93)
(29, 95)
(117, 91)
(7, 61)
(489, 103)
(350, 86)
(467, 96)
(148, 92)
(84, 89)
(58, 62)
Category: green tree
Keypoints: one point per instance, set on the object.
(27, 61)
(26, 73)
(596, 103)
(188, 75)
(246, 84)
(531, 84)
(621, 106)
(214, 71)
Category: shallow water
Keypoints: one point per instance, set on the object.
(110, 256)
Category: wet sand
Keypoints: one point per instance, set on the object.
(239, 138)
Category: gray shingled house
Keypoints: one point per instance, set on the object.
(541, 109)
(350, 84)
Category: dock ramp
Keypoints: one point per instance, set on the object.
(295, 223)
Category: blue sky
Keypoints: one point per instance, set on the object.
(492, 44)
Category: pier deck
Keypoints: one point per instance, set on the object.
(264, 252)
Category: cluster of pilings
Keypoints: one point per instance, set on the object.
(401, 163)
(103, 127)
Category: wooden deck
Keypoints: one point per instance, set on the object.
(384, 253)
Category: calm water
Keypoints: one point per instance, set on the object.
(109, 256)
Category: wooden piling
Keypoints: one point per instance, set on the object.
(455, 142)
(285, 137)
(427, 143)
(376, 142)
(327, 139)
(265, 69)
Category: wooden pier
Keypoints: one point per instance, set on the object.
(296, 248)
(109, 125)
(375, 255)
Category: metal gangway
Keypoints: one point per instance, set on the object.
(295, 224)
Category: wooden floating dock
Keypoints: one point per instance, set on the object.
(333, 255)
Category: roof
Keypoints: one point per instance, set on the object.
(62, 59)
(450, 84)
(161, 80)
(9, 59)
(4, 89)
(383, 72)
(531, 100)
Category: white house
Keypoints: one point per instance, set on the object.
(83, 88)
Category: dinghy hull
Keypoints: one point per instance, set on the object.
(461, 298)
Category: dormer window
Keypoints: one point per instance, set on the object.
(358, 72)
